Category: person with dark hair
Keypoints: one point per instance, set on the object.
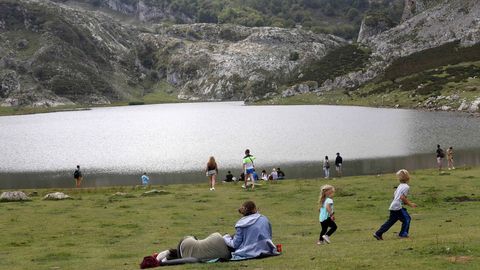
(253, 235)
(190, 249)
(440, 157)
(78, 176)
(228, 177)
(338, 165)
(280, 174)
(326, 167)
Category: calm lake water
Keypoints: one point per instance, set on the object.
(173, 141)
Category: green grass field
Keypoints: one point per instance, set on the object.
(97, 230)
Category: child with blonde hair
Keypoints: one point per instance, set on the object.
(397, 212)
(327, 218)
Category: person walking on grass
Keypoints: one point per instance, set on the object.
(338, 165)
(78, 176)
(451, 165)
(440, 157)
(397, 211)
(326, 167)
(211, 170)
(327, 218)
(248, 168)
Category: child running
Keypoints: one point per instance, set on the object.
(397, 212)
(327, 219)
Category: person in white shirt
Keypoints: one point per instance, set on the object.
(397, 212)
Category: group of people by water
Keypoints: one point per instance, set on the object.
(248, 175)
(441, 155)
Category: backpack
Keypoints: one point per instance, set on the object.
(76, 174)
(442, 153)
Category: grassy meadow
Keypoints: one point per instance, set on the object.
(98, 230)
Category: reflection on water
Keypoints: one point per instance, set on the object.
(65, 179)
(115, 145)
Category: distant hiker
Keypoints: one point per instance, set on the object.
(281, 174)
(248, 167)
(451, 165)
(78, 176)
(253, 235)
(229, 177)
(338, 165)
(397, 211)
(326, 217)
(326, 167)
(145, 179)
(211, 170)
(440, 157)
(264, 175)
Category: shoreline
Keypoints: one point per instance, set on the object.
(18, 111)
(303, 170)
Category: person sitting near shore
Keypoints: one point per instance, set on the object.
(273, 175)
(145, 179)
(281, 174)
(228, 177)
(253, 235)
(264, 175)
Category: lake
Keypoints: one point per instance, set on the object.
(115, 145)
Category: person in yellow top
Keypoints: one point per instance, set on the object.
(248, 168)
(450, 158)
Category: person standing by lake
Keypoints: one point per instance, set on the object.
(78, 176)
(338, 165)
(440, 157)
(248, 167)
(326, 167)
(451, 166)
(211, 171)
(145, 179)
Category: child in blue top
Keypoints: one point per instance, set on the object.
(397, 211)
(145, 179)
(327, 218)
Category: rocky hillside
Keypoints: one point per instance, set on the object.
(53, 54)
(428, 61)
(339, 17)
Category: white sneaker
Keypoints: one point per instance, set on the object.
(213, 188)
(320, 242)
(326, 238)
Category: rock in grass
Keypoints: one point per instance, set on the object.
(154, 192)
(57, 196)
(13, 196)
(123, 194)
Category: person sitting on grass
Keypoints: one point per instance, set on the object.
(397, 212)
(253, 235)
(228, 177)
(281, 174)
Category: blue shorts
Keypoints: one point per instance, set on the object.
(249, 171)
